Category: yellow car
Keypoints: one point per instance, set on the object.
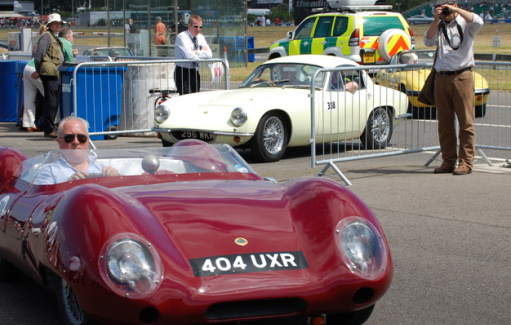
(410, 81)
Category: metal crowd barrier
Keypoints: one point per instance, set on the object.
(416, 133)
(119, 97)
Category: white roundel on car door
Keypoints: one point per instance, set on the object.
(392, 41)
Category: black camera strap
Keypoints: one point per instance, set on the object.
(460, 31)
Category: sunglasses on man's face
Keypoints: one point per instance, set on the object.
(199, 27)
(82, 138)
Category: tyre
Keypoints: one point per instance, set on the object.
(353, 318)
(480, 110)
(165, 143)
(111, 136)
(8, 272)
(270, 139)
(70, 310)
(378, 129)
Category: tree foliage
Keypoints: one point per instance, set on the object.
(282, 12)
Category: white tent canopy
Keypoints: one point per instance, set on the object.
(9, 15)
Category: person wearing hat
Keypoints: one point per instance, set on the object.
(160, 35)
(453, 31)
(48, 57)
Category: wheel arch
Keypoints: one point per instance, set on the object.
(386, 107)
(277, 52)
(286, 119)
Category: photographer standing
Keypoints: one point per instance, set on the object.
(454, 31)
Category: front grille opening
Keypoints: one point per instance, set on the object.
(363, 295)
(149, 315)
(255, 308)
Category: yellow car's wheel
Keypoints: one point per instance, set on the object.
(480, 111)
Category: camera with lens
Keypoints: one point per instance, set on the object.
(446, 11)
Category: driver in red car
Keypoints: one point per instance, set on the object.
(73, 164)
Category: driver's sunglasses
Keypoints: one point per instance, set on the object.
(82, 138)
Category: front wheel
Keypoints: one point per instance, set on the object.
(166, 143)
(8, 272)
(70, 310)
(270, 139)
(378, 129)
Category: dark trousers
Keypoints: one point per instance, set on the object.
(187, 80)
(52, 88)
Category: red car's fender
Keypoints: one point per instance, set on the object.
(10, 160)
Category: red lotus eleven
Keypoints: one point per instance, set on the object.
(190, 235)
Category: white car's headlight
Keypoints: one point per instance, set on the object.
(238, 117)
(161, 114)
(130, 266)
(362, 247)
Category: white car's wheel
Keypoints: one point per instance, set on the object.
(378, 129)
(270, 139)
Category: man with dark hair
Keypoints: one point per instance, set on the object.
(453, 31)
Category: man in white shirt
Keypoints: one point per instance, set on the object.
(190, 45)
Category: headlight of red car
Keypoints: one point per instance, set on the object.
(362, 247)
(130, 266)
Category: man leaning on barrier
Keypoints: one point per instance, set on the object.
(190, 45)
(453, 31)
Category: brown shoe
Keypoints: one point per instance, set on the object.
(53, 134)
(443, 169)
(462, 170)
(34, 129)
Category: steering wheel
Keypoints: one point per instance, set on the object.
(258, 83)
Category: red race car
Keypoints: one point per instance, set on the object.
(190, 235)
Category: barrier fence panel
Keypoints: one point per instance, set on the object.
(378, 119)
(493, 131)
(119, 97)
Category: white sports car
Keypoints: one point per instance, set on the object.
(271, 110)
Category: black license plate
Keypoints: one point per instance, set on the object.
(248, 263)
(200, 135)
